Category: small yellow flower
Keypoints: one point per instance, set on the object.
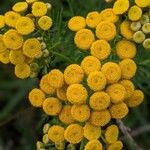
(2, 45)
(61, 93)
(2, 21)
(20, 7)
(31, 1)
(84, 39)
(142, 3)
(93, 145)
(4, 57)
(76, 23)
(115, 146)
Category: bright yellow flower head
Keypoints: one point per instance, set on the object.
(61, 93)
(84, 39)
(52, 106)
(116, 146)
(93, 145)
(4, 57)
(2, 21)
(142, 3)
(2, 45)
(76, 23)
(20, 7)
(36, 97)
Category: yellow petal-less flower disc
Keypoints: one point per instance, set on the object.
(4, 57)
(73, 74)
(90, 64)
(80, 113)
(56, 133)
(100, 118)
(119, 111)
(120, 6)
(93, 145)
(22, 70)
(31, 1)
(115, 146)
(13, 40)
(112, 72)
(111, 134)
(32, 48)
(77, 94)
(100, 49)
(125, 49)
(142, 3)
(128, 68)
(106, 30)
(61, 93)
(84, 39)
(93, 19)
(96, 81)
(20, 7)
(2, 21)
(36, 97)
(99, 101)
(2, 45)
(39, 9)
(74, 133)
(91, 132)
(76, 23)
(52, 106)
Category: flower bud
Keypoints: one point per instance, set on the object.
(146, 43)
(43, 45)
(45, 128)
(60, 145)
(39, 145)
(33, 74)
(34, 67)
(146, 28)
(45, 139)
(49, 6)
(139, 37)
(135, 26)
(45, 53)
(144, 19)
(71, 147)
(39, 56)
(40, 38)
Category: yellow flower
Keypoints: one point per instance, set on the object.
(61, 93)
(31, 1)
(100, 49)
(76, 23)
(32, 48)
(20, 7)
(115, 146)
(111, 134)
(99, 101)
(135, 13)
(120, 6)
(11, 18)
(56, 78)
(73, 74)
(56, 133)
(112, 72)
(2, 45)
(142, 3)
(100, 118)
(106, 30)
(93, 145)
(36, 97)
(22, 70)
(84, 39)
(4, 57)
(119, 111)
(128, 68)
(80, 113)
(93, 19)
(96, 81)
(2, 21)
(90, 64)
(136, 99)
(45, 23)
(91, 132)
(77, 94)
(125, 49)
(74, 133)
(65, 115)
(12, 39)
(39, 9)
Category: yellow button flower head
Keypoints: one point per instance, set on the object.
(120, 6)
(84, 39)
(99, 101)
(2, 45)
(12, 39)
(65, 115)
(73, 74)
(22, 70)
(90, 64)
(91, 132)
(80, 113)
(20, 7)
(106, 30)
(135, 13)
(56, 133)
(96, 81)
(100, 49)
(119, 111)
(93, 19)
(77, 94)
(61, 93)
(11, 18)
(4, 57)
(93, 145)
(31, 1)
(36, 97)
(125, 49)
(142, 3)
(39, 9)
(76, 23)
(128, 68)
(111, 134)
(74, 133)
(136, 99)
(112, 72)
(100, 118)
(2, 21)
(45, 23)
(56, 78)
(116, 146)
